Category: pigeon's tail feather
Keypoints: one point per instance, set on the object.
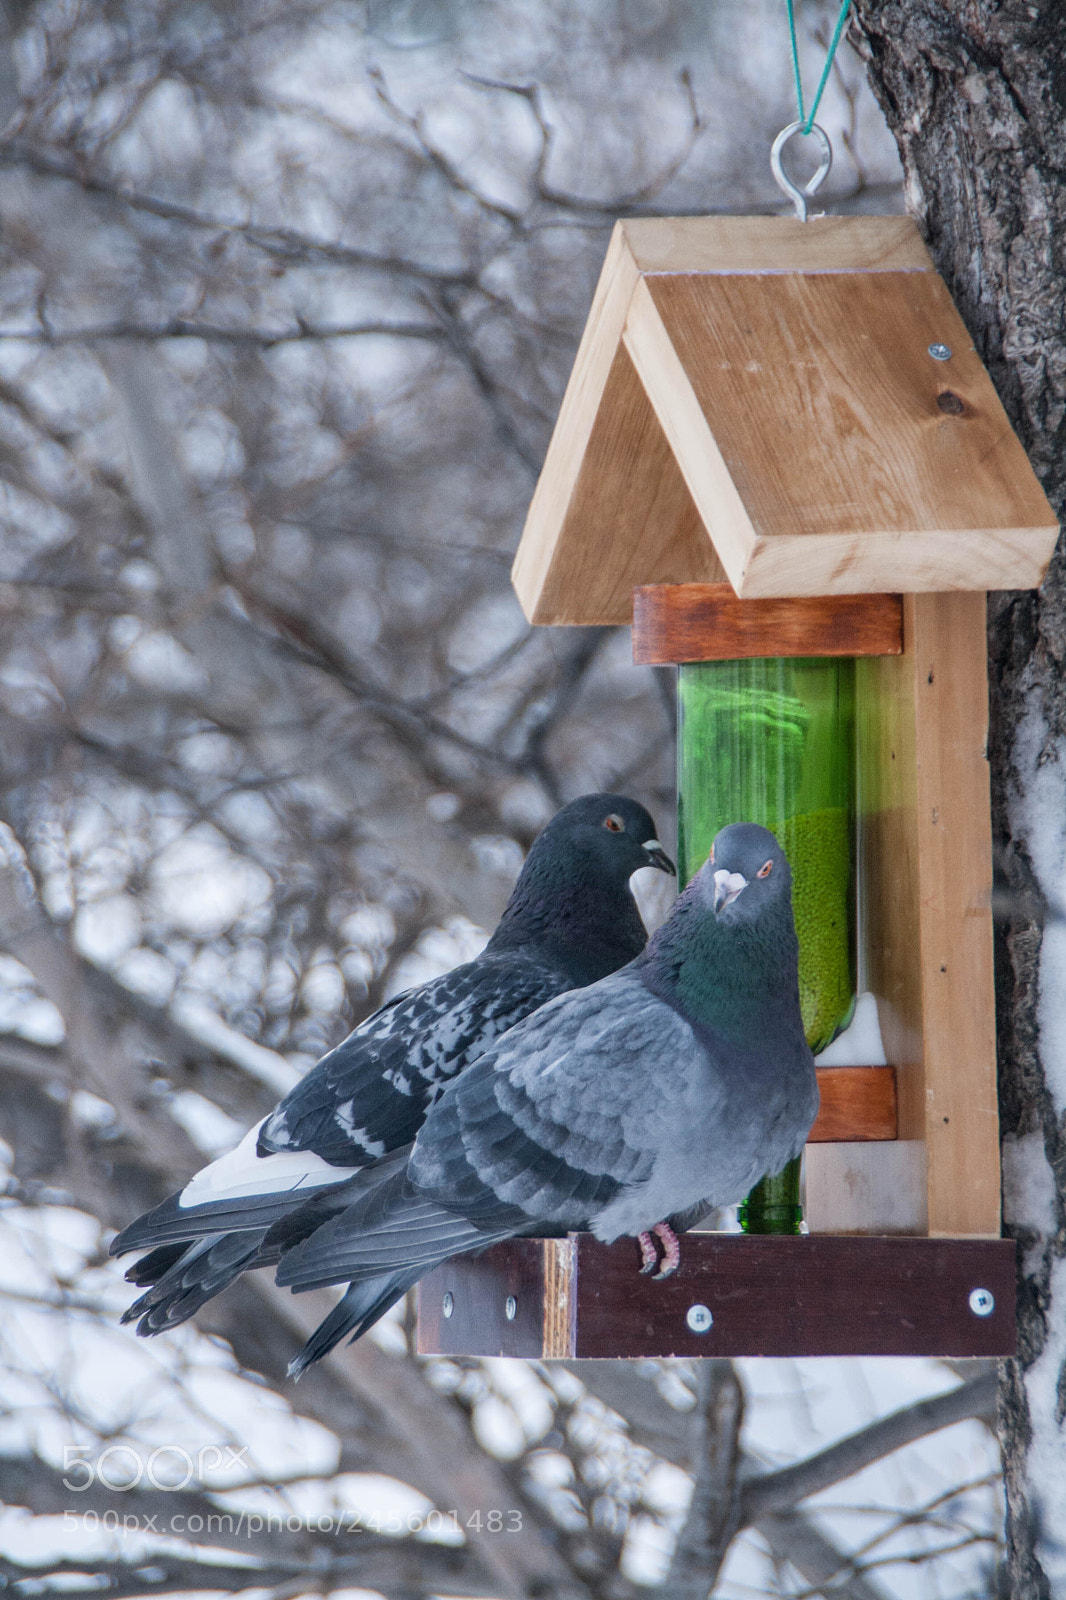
(390, 1230)
(296, 1226)
(150, 1268)
(172, 1223)
(362, 1306)
(201, 1271)
(241, 1190)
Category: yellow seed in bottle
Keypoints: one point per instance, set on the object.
(818, 847)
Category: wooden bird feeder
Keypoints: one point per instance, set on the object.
(779, 442)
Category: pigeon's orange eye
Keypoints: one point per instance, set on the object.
(764, 870)
(614, 823)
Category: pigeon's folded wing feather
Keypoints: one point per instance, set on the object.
(364, 1100)
(557, 1115)
(545, 1130)
(390, 1231)
(369, 1095)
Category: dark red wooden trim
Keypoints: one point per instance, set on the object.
(817, 1295)
(858, 1103)
(675, 622)
(480, 1287)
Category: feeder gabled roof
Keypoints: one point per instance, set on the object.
(754, 399)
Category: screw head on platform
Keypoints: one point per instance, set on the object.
(940, 352)
(699, 1318)
(982, 1302)
(510, 1310)
(448, 1304)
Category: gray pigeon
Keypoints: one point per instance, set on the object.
(570, 920)
(643, 1100)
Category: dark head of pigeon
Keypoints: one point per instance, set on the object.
(605, 835)
(572, 900)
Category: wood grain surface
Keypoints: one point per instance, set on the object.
(479, 1287)
(707, 622)
(776, 244)
(767, 1296)
(754, 398)
(824, 406)
(952, 819)
(560, 1296)
(926, 920)
(857, 1104)
(629, 482)
(549, 509)
(873, 1187)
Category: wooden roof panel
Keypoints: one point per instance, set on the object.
(830, 412)
(779, 419)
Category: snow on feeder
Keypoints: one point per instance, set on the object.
(779, 446)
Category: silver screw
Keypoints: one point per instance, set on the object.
(699, 1318)
(982, 1302)
(510, 1310)
(448, 1304)
(940, 352)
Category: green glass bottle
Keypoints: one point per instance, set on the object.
(772, 741)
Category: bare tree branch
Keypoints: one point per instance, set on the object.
(286, 244)
(778, 1491)
(713, 1513)
(189, 328)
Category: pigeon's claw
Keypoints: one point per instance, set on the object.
(649, 1255)
(671, 1249)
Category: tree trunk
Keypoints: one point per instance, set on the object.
(975, 93)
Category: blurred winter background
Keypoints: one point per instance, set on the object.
(288, 297)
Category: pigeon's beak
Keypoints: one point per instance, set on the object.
(727, 885)
(657, 857)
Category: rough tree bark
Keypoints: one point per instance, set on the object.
(975, 94)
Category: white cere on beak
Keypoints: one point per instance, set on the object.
(727, 885)
(653, 844)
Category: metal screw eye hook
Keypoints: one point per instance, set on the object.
(799, 197)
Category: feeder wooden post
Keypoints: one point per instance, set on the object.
(926, 873)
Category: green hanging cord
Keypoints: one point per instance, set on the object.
(795, 60)
(808, 120)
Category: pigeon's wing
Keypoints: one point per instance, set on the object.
(369, 1095)
(568, 1110)
(363, 1100)
(546, 1129)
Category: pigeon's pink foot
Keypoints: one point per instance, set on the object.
(649, 1256)
(671, 1249)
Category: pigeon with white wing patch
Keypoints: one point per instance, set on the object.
(636, 1103)
(570, 920)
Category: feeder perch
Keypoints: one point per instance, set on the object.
(778, 448)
